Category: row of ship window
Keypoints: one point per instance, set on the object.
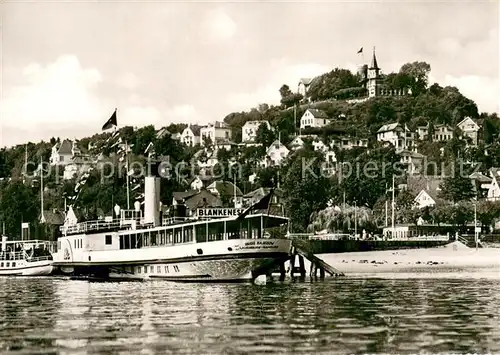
(203, 233)
(166, 269)
(8, 264)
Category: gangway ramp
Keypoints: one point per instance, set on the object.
(303, 248)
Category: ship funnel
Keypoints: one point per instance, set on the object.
(152, 200)
(4, 243)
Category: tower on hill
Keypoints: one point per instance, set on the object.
(373, 77)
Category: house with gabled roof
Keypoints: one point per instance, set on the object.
(52, 220)
(250, 128)
(200, 181)
(480, 183)
(215, 133)
(413, 161)
(397, 135)
(493, 193)
(62, 153)
(319, 145)
(275, 154)
(470, 129)
(303, 86)
(227, 191)
(423, 132)
(195, 199)
(296, 144)
(426, 189)
(162, 132)
(314, 118)
(442, 133)
(190, 136)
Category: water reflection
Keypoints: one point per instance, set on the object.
(22, 326)
(335, 316)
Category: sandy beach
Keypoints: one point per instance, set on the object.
(452, 257)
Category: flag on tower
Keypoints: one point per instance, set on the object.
(360, 50)
(111, 122)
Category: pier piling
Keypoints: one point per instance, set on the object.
(303, 250)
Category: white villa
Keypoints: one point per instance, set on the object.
(275, 154)
(314, 118)
(189, 136)
(217, 132)
(296, 143)
(470, 128)
(494, 189)
(413, 161)
(63, 153)
(442, 133)
(303, 86)
(347, 142)
(400, 137)
(249, 130)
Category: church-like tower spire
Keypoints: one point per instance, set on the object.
(374, 64)
(372, 84)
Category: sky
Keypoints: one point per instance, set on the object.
(65, 66)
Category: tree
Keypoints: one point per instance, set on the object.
(262, 108)
(457, 187)
(487, 212)
(417, 75)
(167, 146)
(268, 177)
(327, 85)
(143, 136)
(285, 91)
(437, 214)
(207, 141)
(292, 100)
(305, 188)
(460, 213)
(368, 177)
(18, 203)
(405, 211)
(342, 220)
(264, 135)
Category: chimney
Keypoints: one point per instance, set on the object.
(152, 200)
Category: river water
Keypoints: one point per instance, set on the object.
(414, 313)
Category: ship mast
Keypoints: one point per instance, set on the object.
(127, 177)
(41, 187)
(393, 203)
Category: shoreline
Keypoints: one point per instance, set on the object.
(452, 258)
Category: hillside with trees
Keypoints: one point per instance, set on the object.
(309, 198)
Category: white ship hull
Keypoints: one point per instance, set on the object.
(214, 261)
(25, 268)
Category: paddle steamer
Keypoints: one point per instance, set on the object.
(25, 258)
(148, 246)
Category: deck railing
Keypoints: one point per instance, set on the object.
(21, 255)
(135, 223)
(332, 236)
(89, 226)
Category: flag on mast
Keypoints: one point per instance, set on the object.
(111, 122)
(262, 204)
(360, 50)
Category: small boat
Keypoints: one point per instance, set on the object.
(25, 257)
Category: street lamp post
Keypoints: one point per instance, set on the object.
(476, 237)
(355, 221)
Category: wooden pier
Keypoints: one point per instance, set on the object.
(300, 252)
